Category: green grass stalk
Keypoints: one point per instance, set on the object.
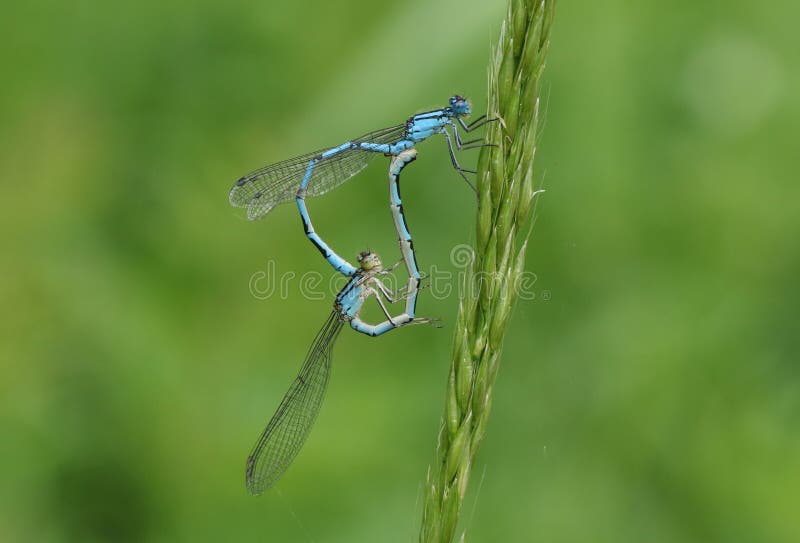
(503, 225)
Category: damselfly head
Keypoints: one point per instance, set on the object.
(459, 106)
(369, 261)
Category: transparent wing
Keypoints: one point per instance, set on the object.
(262, 189)
(287, 430)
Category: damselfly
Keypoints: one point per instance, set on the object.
(321, 171)
(287, 430)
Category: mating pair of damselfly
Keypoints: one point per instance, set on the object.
(315, 174)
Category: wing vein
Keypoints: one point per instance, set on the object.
(289, 427)
(264, 188)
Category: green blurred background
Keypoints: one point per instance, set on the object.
(648, 393)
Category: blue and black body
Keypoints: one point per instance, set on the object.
(401, 227)
(287, 430)
(316, 173)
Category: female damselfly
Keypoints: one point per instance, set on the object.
(288, 428)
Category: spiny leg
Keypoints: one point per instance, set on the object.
(471, 144)
(477, 123)
(383, 306)
(453, 158)
(391, 268)
(456, 165)
(403, 293)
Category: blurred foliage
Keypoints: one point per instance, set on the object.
(649, 393)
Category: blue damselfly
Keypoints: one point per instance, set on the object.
(289, 426)
(318, 172)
